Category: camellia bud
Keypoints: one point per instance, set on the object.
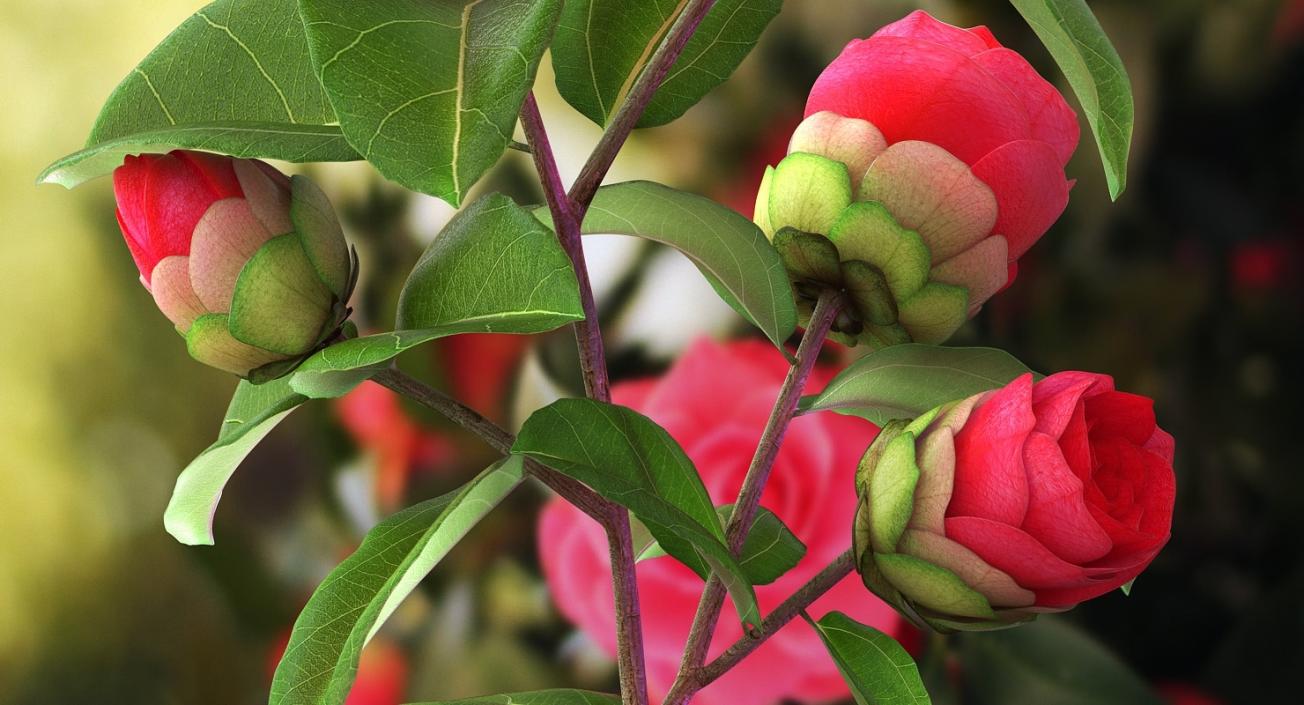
(1031, 498)
(250, 266)
(931, 158)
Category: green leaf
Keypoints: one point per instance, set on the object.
(628, 459)
(429, 92)
(493, 265)
(876, 667)
(731, 252)
(538, 697)
(603, 45)
(769, 551)
(234, 78)
(357, 597)
(291, 143)
(1094, 71)
(904, 381)
(1048, 662)
(254, 412)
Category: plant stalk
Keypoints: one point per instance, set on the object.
(758, 473)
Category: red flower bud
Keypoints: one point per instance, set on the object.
(250, 266)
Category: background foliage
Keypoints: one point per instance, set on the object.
(1187, 290)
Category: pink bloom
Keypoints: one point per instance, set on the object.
(923, 80)
(714, 402)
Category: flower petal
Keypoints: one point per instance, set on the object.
(990, 481)
(225, 238)
(921, 25)
(176, 197)
(268, 200)
(999, 588)
(936, 479)
(1015, 553)
(215, 170)
(927, 189)
(170, 285)
(1055, 398)
(854, 142)
(1121, 414)
(982, 269)
(1057, 514)
(1030, 187)
(1049, 116)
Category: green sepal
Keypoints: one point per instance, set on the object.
(921, 422)
(891, 492)
(807, 192)
(761, 212)
(808, 257)
(869, 461)
(280, 304)
(932, 586)
(867, 231)
(879, 337)
(935, 312)
(321, 236)
(947, 625)
(209, 341)
(869, 292)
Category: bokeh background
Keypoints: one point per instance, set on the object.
(1187, 290)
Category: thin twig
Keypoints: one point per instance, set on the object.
(631, 111)
(749, 497)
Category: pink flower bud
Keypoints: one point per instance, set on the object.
(250, 266)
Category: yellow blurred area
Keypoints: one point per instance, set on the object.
(63, 301)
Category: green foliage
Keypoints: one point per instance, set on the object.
(429, 92)
(1089, 62)
(876, 667)
(904, 381)
(353, 602)
(603, 45)
(731, 252)
(1048, 662)
(769, 551)
(235, 78)
(254, 412)
(539, 697)
(493, 265)
(630, 460)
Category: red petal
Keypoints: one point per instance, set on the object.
(921, 25)
(129, 191)
(215, 170)
(1014, 552)
(1162, 445)
(913, 89)
(1056, 398)
(1057, 515)
(1051, 119)
(986, 35)
(989, 475)
(175, 199)
(1121, 414)
(1031, 191)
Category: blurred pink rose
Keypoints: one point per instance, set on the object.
(715, 401)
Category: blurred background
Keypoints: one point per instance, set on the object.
(1187, 290)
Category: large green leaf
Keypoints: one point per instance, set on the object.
(1094, 71)
(428, 91)
(357, 597)
(630, 460)
(603, 45)
(254, 412)
(1048, 662)
(904, 381)
(538, 697)
(769, 551)
(731, 252)
(876, 667)
(234, 78)
(493, 265)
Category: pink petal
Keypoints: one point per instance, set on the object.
(1057, 515)
(144, 262)
(214, 169)
(921, 25)
(172, 292)
(913, 89)
(225, 238)
(1055, 398)
(1031, 191)
(999, 588)
(936, 461)
(1121, 414)
(1015, 553)
(129, 191)
(1049, 116)
(1162, 445)
(269, 201)
(982, 269)
(986, 35)
(989, 477)
(927, 189)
